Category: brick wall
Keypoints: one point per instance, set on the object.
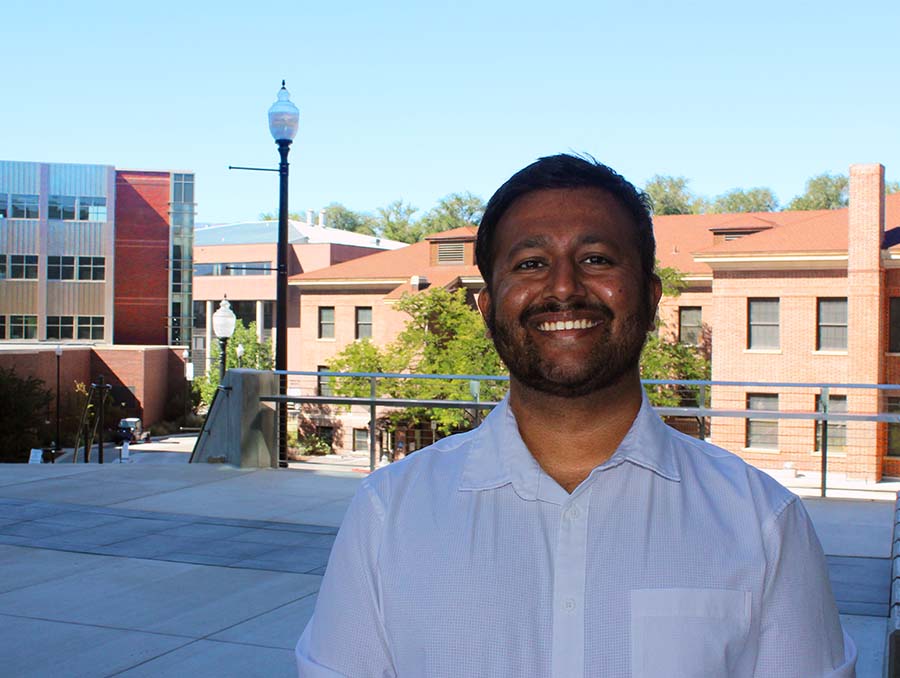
(142, 257)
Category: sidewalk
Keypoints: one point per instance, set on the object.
(203, 570)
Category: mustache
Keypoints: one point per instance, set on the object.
(598, 308)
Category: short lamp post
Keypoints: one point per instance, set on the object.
(239, 350)
(58, 445)
(223, 321)
(284, 118)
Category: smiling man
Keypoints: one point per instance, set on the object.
(573, 533)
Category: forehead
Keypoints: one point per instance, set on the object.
(563, 213)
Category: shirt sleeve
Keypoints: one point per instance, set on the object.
(800, 630)
(346, 636)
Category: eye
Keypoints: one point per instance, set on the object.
(597, 260)
(529, 265)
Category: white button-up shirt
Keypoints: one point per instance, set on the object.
(673, 558)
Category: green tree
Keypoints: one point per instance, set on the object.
(671, 195)
(24, 406)
(395, 222)
(823, 192)
(257, 356)
(444, 335)
(745, 200)
(338, 216)
(453, 211)
(891, 187)
(273, 216)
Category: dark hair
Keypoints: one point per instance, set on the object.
(565, 171)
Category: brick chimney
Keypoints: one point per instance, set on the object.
(866, 342)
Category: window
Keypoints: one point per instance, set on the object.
(2, 327)
(762, 433)
(60, 268)
(832, 325)
(90, 327)
(91, 268)
(24, 207)
(60, 327)
(323, 385)
(23, 266)
(690, 327)
(23, 327)
(451, 253)
(326, 322)
(183, 188)
(363, 322)
(360, 440)
(3, 270)
(326, 433)
(4, 205)
(762, 324)
(837, 430)
(234, 268)
(893, 430)
(92, 209)
(61, 207)
(894, 338)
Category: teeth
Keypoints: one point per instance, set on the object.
(557, 325)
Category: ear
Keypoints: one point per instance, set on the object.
(484, 305)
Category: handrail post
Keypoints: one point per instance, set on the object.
(372, 392)
(823, 407)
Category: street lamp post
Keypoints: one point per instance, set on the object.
(239, 351)
(58, 447)
(223, 325)
(283, 121)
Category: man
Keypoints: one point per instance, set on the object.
(573, 533)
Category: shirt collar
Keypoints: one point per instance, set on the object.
(499, 455)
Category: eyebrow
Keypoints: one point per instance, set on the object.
(539, 241)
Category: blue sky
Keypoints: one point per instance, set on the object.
(415, 100)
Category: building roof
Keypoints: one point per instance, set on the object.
(299, 232)
(679, 238)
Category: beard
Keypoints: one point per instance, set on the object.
(615, 353)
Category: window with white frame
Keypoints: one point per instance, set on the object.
(91, 209)
(360, 440)
(60, 268)
(60, 327)
(892, 404)
(363, 322)
(23, 327)
(23, 206)
(323, 384)
(326, 322)
(762, 433)
(61, 207)
(91, 268)
(763, 324)
(4, 272)
(90, 327)
(2, 327)
(690, 325)
(831, 330)
(23, 266)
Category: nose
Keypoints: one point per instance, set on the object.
(564, 281)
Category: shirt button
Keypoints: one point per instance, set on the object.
(573, 513)
(570, 604)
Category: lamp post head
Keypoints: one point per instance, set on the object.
(223, 320)
(58, 350)
(284, 117)
(239, 349)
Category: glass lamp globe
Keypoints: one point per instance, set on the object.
(284, 117)
(223, 320)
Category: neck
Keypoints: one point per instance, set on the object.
(569, 437)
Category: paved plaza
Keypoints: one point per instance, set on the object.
(171, 569)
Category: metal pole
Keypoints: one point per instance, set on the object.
(58, 446)
(102, 393)
(372, 460)
(223, 344)
(823, 406)
(284, 146)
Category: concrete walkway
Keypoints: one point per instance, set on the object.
(176, 569)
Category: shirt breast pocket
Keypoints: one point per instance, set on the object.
(687, 633)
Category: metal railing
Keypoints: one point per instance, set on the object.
(810, 419)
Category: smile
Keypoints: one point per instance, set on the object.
(560, 325)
